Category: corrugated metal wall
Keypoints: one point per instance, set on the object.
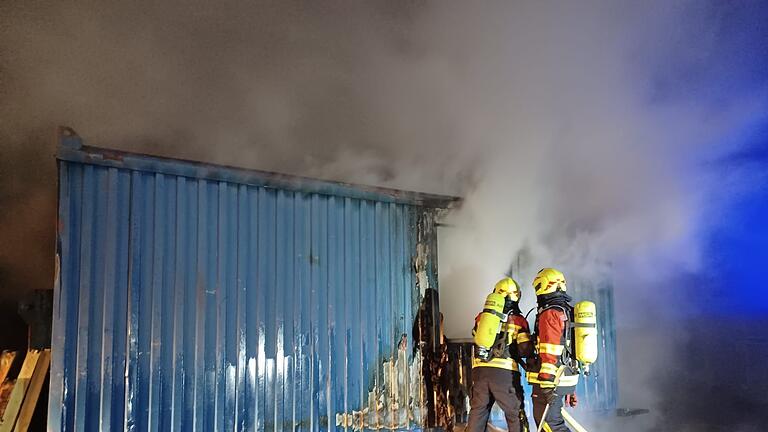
(600, 390)
(191, 304)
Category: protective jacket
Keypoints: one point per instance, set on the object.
(552, 331)
(512, 342)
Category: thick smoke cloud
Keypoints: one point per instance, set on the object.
(583, 134)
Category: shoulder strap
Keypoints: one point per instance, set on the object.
(501, 316)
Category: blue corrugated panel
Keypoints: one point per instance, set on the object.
(188, 303)
(599, 390)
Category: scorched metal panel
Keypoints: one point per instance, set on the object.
(191, 303)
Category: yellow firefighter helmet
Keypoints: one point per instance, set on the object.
(507, 287)
(549, 280)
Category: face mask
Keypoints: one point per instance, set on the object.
(507, 304)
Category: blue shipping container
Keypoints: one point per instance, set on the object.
(199, 297)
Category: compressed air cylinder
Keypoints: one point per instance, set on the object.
(585, 332)
(489, 324)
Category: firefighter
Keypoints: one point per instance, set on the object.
(502, 337)
(553, 351)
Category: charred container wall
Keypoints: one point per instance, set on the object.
(199, 297)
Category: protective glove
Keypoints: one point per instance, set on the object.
(571, 400)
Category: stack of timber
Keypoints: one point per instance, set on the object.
(21, 387)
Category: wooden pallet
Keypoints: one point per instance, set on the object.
(19, 394)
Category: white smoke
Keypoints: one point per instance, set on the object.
(578, 132)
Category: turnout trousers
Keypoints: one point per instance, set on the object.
(554, 421)
(489, 385)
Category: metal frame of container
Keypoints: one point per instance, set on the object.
(198, 297)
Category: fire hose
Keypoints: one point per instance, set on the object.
(571, 421)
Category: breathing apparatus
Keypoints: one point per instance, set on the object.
(498, 305)
(581, 327)
(580, 349)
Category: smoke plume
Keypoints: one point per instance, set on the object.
(582, 134)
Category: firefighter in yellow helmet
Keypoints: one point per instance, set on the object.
(502, 338)
(552, 351)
